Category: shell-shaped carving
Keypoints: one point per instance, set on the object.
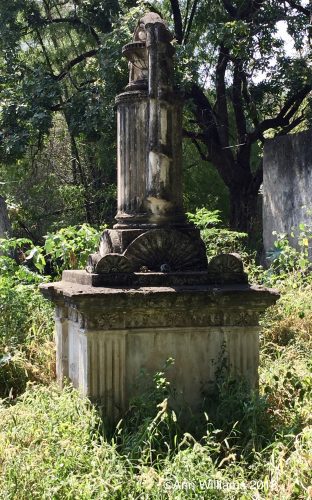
(227, 266)
(110, 263)
(167, 251)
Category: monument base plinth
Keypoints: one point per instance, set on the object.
(106, 336)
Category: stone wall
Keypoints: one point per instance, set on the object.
(287, 184)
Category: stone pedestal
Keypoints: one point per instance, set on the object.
(149, 293)
(106, 336)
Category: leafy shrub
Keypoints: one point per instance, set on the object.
(26, 328)
(26, 322)
(217, 239)
(290, 262)
(14, 251)
(204, 218)
(70, 247)
(26, 318)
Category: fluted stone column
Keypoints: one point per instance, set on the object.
(149, 121)
(149, 173)
(132, 139)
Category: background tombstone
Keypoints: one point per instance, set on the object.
(287, 185)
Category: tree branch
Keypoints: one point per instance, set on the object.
(245, 11)
(204, 113)
(186, 16)
(257, 177)
(74, 62)
(193, 136)
(247, 98)
(221, 102)
(238, 102)
(221, 158)
(60, 106)
(230, 8)
(243, 152)
(74, 21)
(45, 53)
(177, 19)
(300, 8)
(283, 117)
(291, 126)
(190, 22)
(248, 8)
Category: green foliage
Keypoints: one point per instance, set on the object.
(142, 434)
(61, 68)
(290, 261)
(50, 439)
(202, 185)
(50, 444)
(14, 251)
(204, 218)
(26, 326)
(242, 445)
(58, 130)
(217, 239)
(288, 323)
(220, 240)
(26, 320)
(70, 247)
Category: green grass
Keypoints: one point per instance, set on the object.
(54, 444)
(26, 337)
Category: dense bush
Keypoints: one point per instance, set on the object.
(70, 247)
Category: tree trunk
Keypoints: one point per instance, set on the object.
(78, 169)
(5, 226)
(244, 214)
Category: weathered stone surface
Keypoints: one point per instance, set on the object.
(169, 250)
(287, 185)
(149, 161)
(147, 278)
(148, 294)
(227, 268)
(110, 263)
(149, 131)
(106, 336)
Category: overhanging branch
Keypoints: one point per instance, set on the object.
(194, 138)
(221, 102)
(190, 22)
(74, 62)
(304, 10)
(283, 118)
(74, 21)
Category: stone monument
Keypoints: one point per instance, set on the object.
(287, 185)
(149, 293)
